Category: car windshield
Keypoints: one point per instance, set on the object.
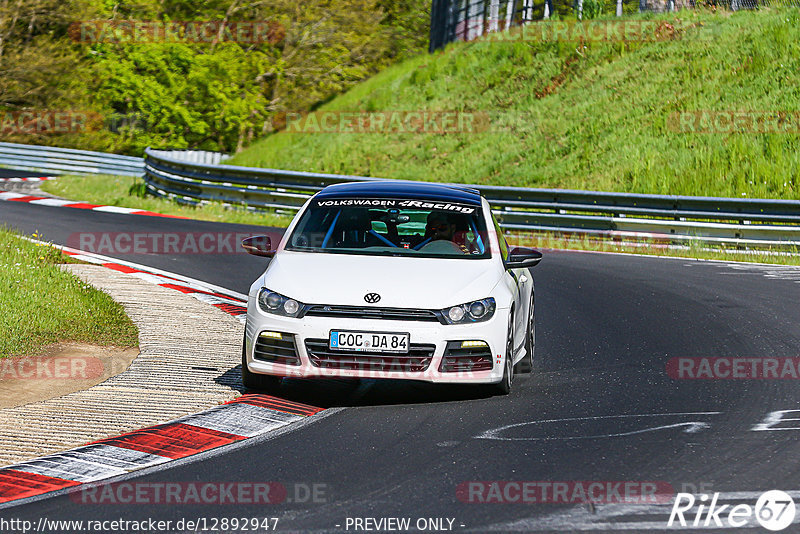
(392, 227)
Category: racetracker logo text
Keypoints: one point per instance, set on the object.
(733, 368)
(570, 491)
(383, 122)
(55, 368)
(206, 493)
(161, 242)
(195, 31)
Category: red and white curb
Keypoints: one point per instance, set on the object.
(238, 420)
(244, 418)
(29, 179)
(58, 202)
(231, 302)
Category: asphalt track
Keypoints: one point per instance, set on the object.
(606, 327)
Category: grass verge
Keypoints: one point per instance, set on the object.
(694, 250)
(588, 114)
(43, 305)
(127, 192)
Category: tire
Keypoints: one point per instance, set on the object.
(504, 386)
(256, 381)
(525, 365)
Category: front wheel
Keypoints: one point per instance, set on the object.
(256, 381)
(504, 386)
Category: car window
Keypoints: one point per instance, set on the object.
(392, 227)
(501, 239)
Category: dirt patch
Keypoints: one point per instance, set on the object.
(61, 369)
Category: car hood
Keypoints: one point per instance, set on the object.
(342, 279)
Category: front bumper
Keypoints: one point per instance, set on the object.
(493, 332)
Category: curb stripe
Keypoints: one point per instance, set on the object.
(116, 209)
(275, 403)
(186, 289)
(173, 440)
(82, 206)
(18, 484)
(121, 268)
(154, 214)
(51, 202)
(28, 179)
(90, 463)
(241, 420)
(25, 198)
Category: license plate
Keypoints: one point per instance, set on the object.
(369, 341)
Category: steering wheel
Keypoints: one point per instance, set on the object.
(441, 246)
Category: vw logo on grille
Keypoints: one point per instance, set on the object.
(372, 298)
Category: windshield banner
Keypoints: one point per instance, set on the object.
(392, 203)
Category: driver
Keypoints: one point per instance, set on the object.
(440, 226)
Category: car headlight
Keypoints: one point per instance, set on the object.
(471, 312)
(271, 302)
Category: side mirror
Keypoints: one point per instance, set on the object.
(258, 245)
(523, 258)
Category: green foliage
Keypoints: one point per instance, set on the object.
(206, 95)
(592, 9)
(188, 99)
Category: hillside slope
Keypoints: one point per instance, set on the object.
(597, 116)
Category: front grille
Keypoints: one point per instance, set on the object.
(367, 312)
(457, 359)
(276, 350)
(417, 360)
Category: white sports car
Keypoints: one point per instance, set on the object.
(391, 279)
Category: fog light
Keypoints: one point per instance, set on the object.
(471, 344)
(275, 335)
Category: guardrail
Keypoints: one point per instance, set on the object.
(669, 218)
(196, 177)
(54, 160)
